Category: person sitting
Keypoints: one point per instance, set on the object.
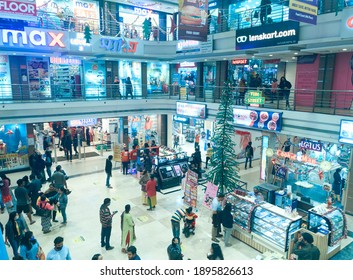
(304, 248)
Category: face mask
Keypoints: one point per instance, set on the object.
(58, 248)
(32, 238)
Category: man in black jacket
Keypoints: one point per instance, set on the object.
(108, 170)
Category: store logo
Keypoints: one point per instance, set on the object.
(181, 119)
(35, 37)
(350, 22)
(118, 45)
(16, 7)
(310, 145)
(242, 39)
(272, 35)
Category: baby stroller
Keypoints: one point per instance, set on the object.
(189, 223)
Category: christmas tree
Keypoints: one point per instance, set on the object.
(88, 35)
(224, 169)
(146, 29)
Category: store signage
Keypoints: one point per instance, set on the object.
(193, 110)
(240, 61)
(64, 60)
(187, 64)
(5, 79)
(191, 46)
(254, 98)
(258, 119)
(276, 34)
(118, 45)
(346, 132)
(83, 122)
(181, 119)
(35, 38)
(298, 157)
(310, 145)
(347, 23)
(20, 9)
(79, 40)
(303, 11)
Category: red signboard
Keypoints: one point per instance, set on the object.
(20, 9)
(240, 61)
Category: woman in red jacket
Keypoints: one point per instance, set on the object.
(151, 190)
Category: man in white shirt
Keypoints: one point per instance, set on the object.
(59, 252)
(216, 207)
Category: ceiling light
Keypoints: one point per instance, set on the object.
(271, 55)
(344, 50)
(205, 59)
(293, 57)
(295, 53)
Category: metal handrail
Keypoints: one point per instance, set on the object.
(336, 102)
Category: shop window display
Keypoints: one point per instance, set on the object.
(13, 147)
(306, 162)
(157, 78)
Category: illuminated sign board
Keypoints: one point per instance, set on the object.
(193, 110)
(265, 120)
(346, 132)
(118, 45)
(32, 38)
(20, 9)
(83, 122)
(180, 119)
(64, 60)
(240, 61)
(310, 145)
(254, 98)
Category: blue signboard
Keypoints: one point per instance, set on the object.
(264, 120)
(276, 34)
(303, 11)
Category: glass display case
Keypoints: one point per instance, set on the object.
(241, 210)
(330, 222)
(275, 225)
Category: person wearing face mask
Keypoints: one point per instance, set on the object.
(59, 252)
(29, 247)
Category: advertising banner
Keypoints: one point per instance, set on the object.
(94, 78)
(346, 28)
(346, 132)
(83, 122)
(5, 78)
(193, 47)
(303, 11)
(265, 120)
(20, 9)
(269, 35)
(210, 194)
(190, 195)
(193, 110)
(193, 15)
(38, 77)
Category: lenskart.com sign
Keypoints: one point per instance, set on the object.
(276, 34)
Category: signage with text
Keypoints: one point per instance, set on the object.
(191, 46)
(193, 20)
(310, 145)
(276, 34)
(180, 119)
(298, 157)
(193, 110)
(258, 119)
(254, 98)
(20, 9)
(118, 45)
(346, 132)
(240, 61)
(346, 28)
(33, 38)
(303, 11)
(83, 122)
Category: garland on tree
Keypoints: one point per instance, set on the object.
(224, 169)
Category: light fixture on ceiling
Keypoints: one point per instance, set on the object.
(293, 57)
(205, 59)
(344, 50)
(271, 55)
(295, 53)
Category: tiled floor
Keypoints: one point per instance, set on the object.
(153, 229)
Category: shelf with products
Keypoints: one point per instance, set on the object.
(275, 225)
(328, 221)
(241, 209)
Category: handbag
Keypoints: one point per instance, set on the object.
(40, 254)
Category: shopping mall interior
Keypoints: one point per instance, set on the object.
(118, 74)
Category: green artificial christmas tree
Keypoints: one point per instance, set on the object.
(224, 168)
(146, 29)
(88, 35)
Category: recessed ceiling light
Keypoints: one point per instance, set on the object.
(205, 60)
(295, 53)
(270, 55)
(293, 57)
(224, 58)
(44, 55)
(344, 50)
(14, 53)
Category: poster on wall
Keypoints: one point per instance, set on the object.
(94, 79)
(263, 165)
(243, 138)
(5, 78)
(210, 194)
(13, 146)
(58, 14)
(193, 16)
(190, 195)
(264, 120)
(132, 70)
(38, 78)
(157, 78)
(86, 12)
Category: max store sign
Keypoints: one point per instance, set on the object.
(33, 38)
(118, 45)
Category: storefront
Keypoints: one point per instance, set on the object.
(65, 74)
(14, 143)
(305, 167)
(133, 70)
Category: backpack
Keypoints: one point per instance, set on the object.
(42, 211)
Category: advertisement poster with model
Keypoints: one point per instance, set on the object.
(210, 194)
(190, 195)
(243, 138)
(5, 78)
(193, 20)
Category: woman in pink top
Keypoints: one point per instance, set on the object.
(5, 192)
(44, 204)
(151, 190)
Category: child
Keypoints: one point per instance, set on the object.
(190, 222)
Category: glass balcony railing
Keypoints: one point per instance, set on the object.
(334, 102)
